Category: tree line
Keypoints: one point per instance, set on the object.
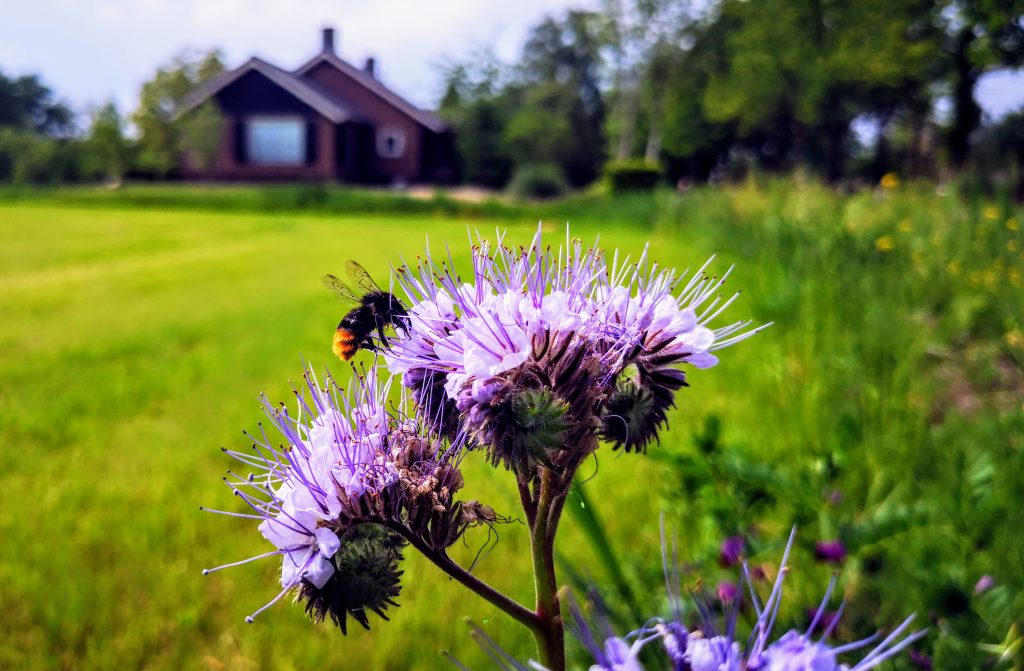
(707, 89)
(42, 143)
(695, 90)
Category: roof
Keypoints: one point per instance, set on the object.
(308, 92)
(311, 92)
(368, 81)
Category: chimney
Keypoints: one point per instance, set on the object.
(328, 38)
(370, 67)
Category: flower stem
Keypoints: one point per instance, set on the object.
(550, 635)
(502, 601)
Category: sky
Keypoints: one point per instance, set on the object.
(94, 51)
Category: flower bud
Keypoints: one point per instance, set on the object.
(366, 578)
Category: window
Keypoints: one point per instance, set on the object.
(276, 140)
(390, 142)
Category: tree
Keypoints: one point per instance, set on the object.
(475, 105)
(560, 88)
(161, 139)
(107, 150)
(980, 34)
(28, 104)
(798, 72)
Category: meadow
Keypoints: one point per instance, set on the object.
(885, 408)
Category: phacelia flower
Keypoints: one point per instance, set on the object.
(596, 344)
(984, 584)
(830, 552)
(715, 646)
(352, 480)
(731, 550)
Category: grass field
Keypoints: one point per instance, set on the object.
(135, 340)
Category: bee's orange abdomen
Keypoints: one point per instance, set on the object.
(345, 344)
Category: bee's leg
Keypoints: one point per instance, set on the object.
(381, 325)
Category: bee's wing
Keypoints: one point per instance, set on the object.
(362, 278)
(339, 288)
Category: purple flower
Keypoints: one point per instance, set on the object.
(714, 647)
(920, 660)
(730, 552)
(984, 584)
(346, 460)
(605, 338)
(727, 592)
(830, 552)
(797, 652)
(718, 653)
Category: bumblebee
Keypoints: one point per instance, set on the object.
(375, 310)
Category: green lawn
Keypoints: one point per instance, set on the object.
(135, 341)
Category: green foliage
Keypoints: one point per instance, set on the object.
(28, 158)
(161, 138)
(27, 104)
(632, 176)
(141, 324)
(538, 181)
(107, 152)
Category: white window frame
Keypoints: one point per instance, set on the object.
(252, 121)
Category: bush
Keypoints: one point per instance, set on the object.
(538, 181)
(632, 175)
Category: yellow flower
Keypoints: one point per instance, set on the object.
(885, 243)
(991, 213)
(889, 180)
(1012, 245)
(1014, 276)
(953, 267)
(1014, 338)
(905, 226)
(1012, 224)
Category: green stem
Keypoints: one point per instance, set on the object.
(502, 601)
(550, 635)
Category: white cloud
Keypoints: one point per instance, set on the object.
(94, 50)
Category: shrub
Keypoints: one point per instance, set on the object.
(632, 175)
(538, 181)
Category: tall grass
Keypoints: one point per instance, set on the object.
(138, 331)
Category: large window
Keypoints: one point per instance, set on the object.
(276, 140)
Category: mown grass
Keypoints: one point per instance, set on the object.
(136, 336)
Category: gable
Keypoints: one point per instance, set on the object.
(258, 86)
(362, 90)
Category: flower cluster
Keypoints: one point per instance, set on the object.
(352, 482)
(714, 646)
(544, 348)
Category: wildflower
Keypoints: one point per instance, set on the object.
(732, 548)
(990, 212)
(338, 500)
(711, 647)
(920, 660)
(885, 243)
(545, 349)
(984, 584)
(1012, 224)
(889, 181)
(953, 267)
(830, 552)
(905, 226)
(727, 592)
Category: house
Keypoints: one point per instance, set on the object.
(327, 120)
